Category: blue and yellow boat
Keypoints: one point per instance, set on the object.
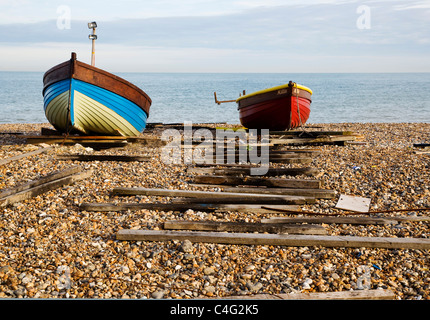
(82, 98)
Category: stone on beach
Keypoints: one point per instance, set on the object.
(42, 236)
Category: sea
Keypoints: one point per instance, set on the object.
(189, 97)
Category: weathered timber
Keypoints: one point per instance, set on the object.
(300, 152)
(103, 207)
(32, 192)
(310, 133)
(256, 199)
(187, 193)
(12, 133)
(421, 145)
(272, 154)
(228, 165)
(244, 227)
(322, 139)
(247, 171)
(316, 193)
(25, 155)
(145, 140)
(232, 158)
(31, 184)
(96, 157)
(375, 294)
(281, 148)
(268, 182)
(331, 220)
(274, 239)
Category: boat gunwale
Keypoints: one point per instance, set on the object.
(75, 69)
(252, 99)
(276, 88)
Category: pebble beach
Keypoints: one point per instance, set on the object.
(49, 248)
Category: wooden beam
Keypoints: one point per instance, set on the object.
(268, 182)
(272, 158)
(274, 239)
(310, 133)
(316, 193)
(323, 139)
(24, 155)
(189, 193)
(256, 199)
(331, 220)
(375, 294)
(96, 157)
(103, 207)
(32, 192)
(247, 171)
(244, 227)
(275, 159)
(148, 140)
(50, 177)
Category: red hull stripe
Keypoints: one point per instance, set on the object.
(277, 114)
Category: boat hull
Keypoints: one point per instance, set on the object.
(79, 97)
(280, 108)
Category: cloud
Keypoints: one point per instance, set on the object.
(255, 38)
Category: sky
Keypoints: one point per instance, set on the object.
(282, 36)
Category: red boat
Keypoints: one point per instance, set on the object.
(279, 108)
(283, 107)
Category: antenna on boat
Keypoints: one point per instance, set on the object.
(93, 38)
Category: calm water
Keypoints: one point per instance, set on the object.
(189, 97)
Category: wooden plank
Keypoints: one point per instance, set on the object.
(421, 145)
(353, 203)
(300, 152)
(247, 171)
(80, 138)
(272, 158)
(227, 165)
(268, 182)
(331, 220)
(276, 154)
(275, 159)
(253, 208)
(37, 140)
(274, 239)
(25, 155)
(190, 193)
(146, 140)
(315, 193)
(31, 184)
(375, 294)
(280, 148)
(324, 139)
(32, 192)
(310, 132)
(95, 157)
(256, 199)
(244, 227)
(102, 207)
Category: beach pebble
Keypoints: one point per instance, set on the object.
(157, 294)
(208, 271)
(187, 246)
(43, 237)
